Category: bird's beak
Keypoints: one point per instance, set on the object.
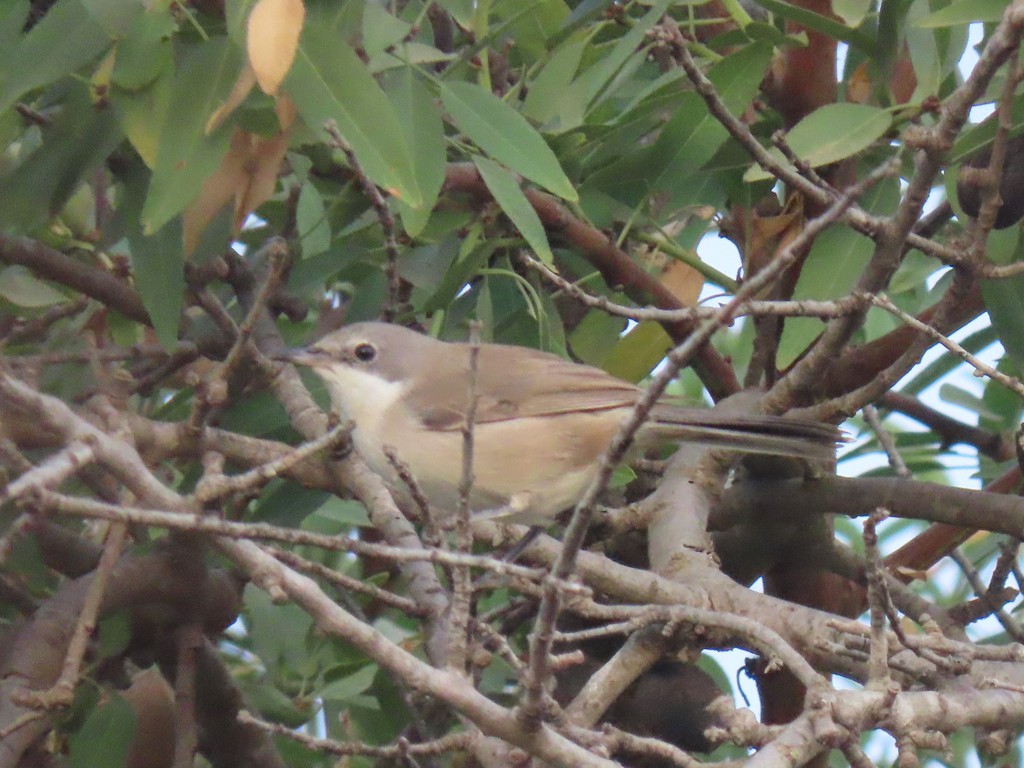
(311, 358)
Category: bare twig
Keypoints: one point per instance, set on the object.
(347, 583)
(1010, 624)
(456, 742)
(246, 482)
(822, 309)
(387, 223)
(885, 439)
(61, 694)
(190, 641)
(982, 368)
(878, 598)
(462, 581)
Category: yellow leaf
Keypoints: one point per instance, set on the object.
(246, 80)
(142, 117)
(100, 81)
(273, 36)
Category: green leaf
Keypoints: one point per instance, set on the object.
(66, 39)
(12, 21)
(329, 82)
(505, 134)
(105, 737)
(186, 155)
(965, 12)
(531, 24)
(348, 687)
(78, 140)
(146, 51)
(158, 265)
(831, 133)
(853, 12)
(114, 634)
(274, 705)
(115, 16)
(836, 261)
(690, 138)
(827, 26)
(408, 53)
(956, 395)
(311, 222)
(513, 202)
(982, 135)
(595, 79)
(595, 336)
(638, 352)
(23, 289)
(472, 256)
(1002, 400)
(381, 30)
(236, 14)
(924, 56)
(424, 133)
(142, 113)
(278, 632)
(1004, 299)
(341, 514)
(550, 99)
(460, 10)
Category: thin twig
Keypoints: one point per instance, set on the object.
(387, 222)
(885, 439)
(1010, 624)
(91, 508)
(348, 583)
(822, 309)
(462, 581)
(245, 482)
(1010, 382)
(190, 640)
(451, 743)
(53, 471)
(878, 664)
(61, 694)
(213, 394)
(431, 530)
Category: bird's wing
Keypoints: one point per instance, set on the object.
(526, 384)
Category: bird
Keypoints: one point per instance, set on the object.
(541, 423)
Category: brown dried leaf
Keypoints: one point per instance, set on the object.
(683, 281)
(247, 174)
(217, 190)
(261, 169)
(767, 234)
(858, 90)
(246, 80)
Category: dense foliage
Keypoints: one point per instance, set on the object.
(188, 187)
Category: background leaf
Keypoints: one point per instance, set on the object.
(329, 82)
(505, 135)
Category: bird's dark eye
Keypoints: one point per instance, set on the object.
(365, 352)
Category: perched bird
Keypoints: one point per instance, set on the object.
(541, 423)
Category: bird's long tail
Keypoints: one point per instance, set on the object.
(773, 435)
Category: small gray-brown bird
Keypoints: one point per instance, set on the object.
(541, 425)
